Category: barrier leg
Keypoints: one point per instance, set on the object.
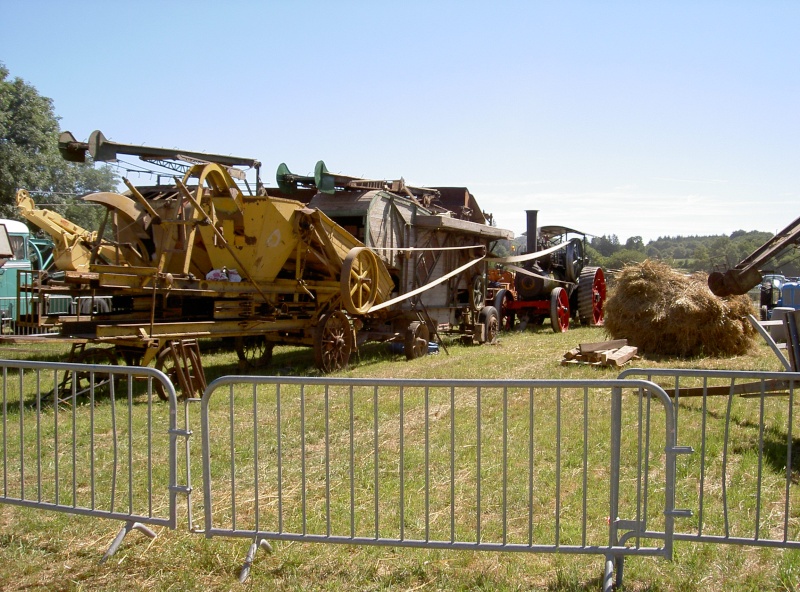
(608, 574)
(129, 526)
(251, 555)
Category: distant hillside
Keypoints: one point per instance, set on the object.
(692, 253)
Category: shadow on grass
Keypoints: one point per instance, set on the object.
(299, 361)
(776, 445)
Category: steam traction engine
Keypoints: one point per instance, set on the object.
(553, 281)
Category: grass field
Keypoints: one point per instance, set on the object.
(51, 551)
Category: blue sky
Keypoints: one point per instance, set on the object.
(630, 118)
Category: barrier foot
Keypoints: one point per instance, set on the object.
(251, 555)
(129, 526)
(608, 575)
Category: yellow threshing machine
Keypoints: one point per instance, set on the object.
(175, 263)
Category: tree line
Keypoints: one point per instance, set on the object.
(691, 253)
(688, 253)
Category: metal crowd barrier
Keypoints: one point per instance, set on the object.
(742, 483)
(90, 440)
(491, 465)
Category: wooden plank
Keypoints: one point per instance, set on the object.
(465, 226)
(746, 388)
(587, 348)
(620, 356)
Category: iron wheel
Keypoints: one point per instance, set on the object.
(591, 296)
(333, 342)
(559, 310)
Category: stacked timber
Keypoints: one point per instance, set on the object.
(615, 353)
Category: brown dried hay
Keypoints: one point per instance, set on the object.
(663, 312)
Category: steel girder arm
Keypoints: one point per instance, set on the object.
(73, 244)
(746, 275)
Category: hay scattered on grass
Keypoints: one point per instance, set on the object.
(663, 312)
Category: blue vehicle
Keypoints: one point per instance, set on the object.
(23, 257)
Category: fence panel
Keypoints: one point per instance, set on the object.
(526, 466)
(90, 439)
(742, 486)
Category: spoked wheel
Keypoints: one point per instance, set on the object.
(489, 319)
(574, 259)
(477, 292)
(417, 336)
(333, 342)
(254, 351)
(591, 296)
(167, 363)
(359, 280)
(505, 315)
(83, 380)
(559, 310)
(183, 368)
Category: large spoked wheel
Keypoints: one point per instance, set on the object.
(505, 315)
(189, 381)
(254, 351)
(416, 343)
(477, 292)
(574, 259)
(166, 362)
(333, 342)
(591, 296)
(359, 280)
(489, 319)
(559, 310)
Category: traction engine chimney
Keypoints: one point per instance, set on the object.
(532, 230)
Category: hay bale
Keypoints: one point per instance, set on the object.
(663, 312)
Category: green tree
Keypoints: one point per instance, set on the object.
(635, 243)
(701, 259)
(29, 157)
(625, 257)
(604, 245)
(594, 257)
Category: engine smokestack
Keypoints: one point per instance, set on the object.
(532, 230)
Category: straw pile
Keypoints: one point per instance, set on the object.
(663, 312)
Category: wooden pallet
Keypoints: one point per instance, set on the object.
(615, 353)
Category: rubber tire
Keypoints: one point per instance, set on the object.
(416, 342)
(491, 322)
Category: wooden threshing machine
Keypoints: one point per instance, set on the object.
(434, 241)
(326, 261)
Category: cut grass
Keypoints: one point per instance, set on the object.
(45, 550)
